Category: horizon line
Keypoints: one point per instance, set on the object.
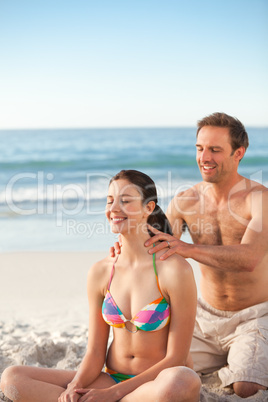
(114, 127)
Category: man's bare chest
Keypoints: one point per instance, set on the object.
(217, 225)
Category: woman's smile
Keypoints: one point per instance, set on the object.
(117, 219)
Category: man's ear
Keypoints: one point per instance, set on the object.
(239, 153)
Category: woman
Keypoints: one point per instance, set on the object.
(149, 304)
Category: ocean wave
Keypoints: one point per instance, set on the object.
(108, 163)
(53, 193)
(93, 189)
(161, 160)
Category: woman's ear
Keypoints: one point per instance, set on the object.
(149, 207)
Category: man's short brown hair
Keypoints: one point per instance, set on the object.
(238, 134)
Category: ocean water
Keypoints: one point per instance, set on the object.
(53, 183)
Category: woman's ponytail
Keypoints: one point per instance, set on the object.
(159, 221)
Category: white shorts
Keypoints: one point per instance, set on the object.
(233, 342)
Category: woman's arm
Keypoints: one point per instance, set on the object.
(98, 332)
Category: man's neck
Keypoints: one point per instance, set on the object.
(221, 191)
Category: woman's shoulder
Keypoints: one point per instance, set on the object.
(99, 274)
(176, 277)
(173, 262)
(174, 269)
(101, 268)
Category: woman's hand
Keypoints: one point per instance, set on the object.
(95, 395)
(174, 245)
(69, 395)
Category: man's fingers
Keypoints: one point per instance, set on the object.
(117, 247)
(157, 248)
(156, 238)
(112, 252)
(152, 229)
(167, 254)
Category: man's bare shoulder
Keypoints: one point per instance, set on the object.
(251, 183)
(181, 205)
(254, 186)
(189, 192)
(249, 191)
(192, 192)
(258, 200)
(247, 186)
(260, 189)
(188, 197)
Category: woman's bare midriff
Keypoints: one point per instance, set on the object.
(136, 352)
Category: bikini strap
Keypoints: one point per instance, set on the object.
(156, 275)
(112, 273)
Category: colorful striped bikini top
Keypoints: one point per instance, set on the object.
(153, 317)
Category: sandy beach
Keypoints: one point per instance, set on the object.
(43, 314)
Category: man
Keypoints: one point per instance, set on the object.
(227, 217)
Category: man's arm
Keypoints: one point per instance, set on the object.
(175, 217)
(241, 257)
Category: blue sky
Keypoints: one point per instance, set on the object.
(123, 63)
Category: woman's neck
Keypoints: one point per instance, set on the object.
(133, 248)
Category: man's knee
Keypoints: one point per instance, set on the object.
(179, 384)
(245, 389)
